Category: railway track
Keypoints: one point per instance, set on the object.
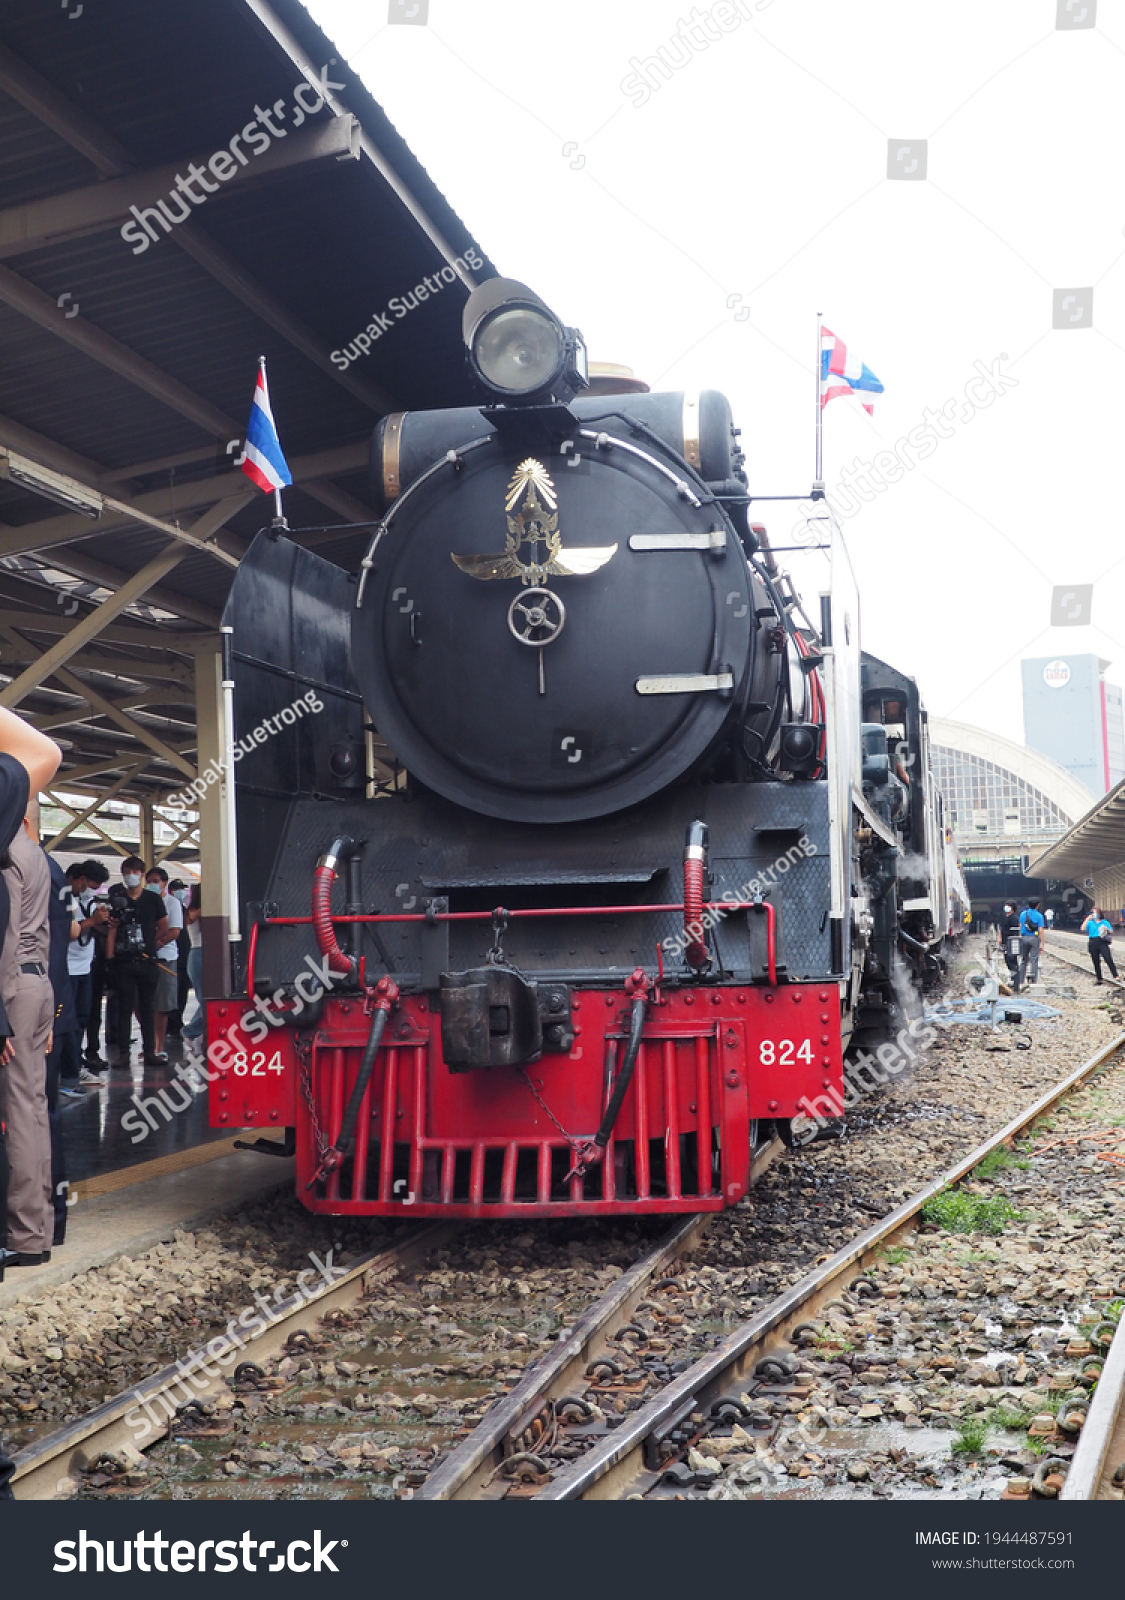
(41, 1466)
(645, 1450)
(622, 1400)
(1097, 1471)
(1062, 946)
(52, 1464)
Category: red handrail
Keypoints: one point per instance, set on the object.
(486, 916)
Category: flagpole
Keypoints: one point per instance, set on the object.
(818, 480)
(278, 514)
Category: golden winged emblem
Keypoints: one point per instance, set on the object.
(535, 523)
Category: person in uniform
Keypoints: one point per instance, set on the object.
(25, 985)
(28, 762)
(64, 928)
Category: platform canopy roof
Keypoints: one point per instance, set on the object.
(127, 361)
(1095, 844)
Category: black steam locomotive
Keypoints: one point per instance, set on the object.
(617, 826)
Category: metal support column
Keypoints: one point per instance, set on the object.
(212, 826)
(147, 846)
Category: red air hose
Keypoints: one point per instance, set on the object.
(695, 855)
(323, 879)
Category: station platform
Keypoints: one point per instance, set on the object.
(127, 1193)
(109, 1128)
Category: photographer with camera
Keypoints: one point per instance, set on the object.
(138, 926)
(91, 918)
(97, 876)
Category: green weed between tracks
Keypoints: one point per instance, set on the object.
(969, 1440)
(998, 1161)
(955, 1211)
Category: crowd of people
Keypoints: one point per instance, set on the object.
(74, 958)
(138, 955)
(1021, 936)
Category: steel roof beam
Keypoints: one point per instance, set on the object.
(112, 761)
(84, 716)
(311, 71)
(80, 332)
(16, 437)
(56, 112)
(98, 207)
(112, 663)
(223, 267)
(113, 843)
(90, 626)
(48, 531)
(337, 500)
(199, 535)
(130, 724)
(342, 139)
(152, 638)
(81, 565)
(95, 805)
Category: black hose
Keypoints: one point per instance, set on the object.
(366, 1067)
(625, 1076)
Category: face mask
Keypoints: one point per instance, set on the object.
(183, 896)
(155, 888)
(131, 880)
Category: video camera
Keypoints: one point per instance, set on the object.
(130, 939)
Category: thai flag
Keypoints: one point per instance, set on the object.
(262, 459)
(843, 373)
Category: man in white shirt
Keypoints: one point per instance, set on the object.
(88, 914)
(167, 956)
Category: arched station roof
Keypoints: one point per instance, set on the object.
(972, 760)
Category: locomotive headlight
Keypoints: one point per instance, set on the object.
(517, 345)
(518, 351)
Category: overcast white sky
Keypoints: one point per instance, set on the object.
(760, 171)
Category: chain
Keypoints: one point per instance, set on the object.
(571, 1141)
(304, 1055)
(495, 956)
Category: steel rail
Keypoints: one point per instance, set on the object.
(41, 1464)
(1073, 959)
(1101, 1443)
(469, 1468)
(615, 1466)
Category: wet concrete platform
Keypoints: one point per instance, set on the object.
(134, 1116)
